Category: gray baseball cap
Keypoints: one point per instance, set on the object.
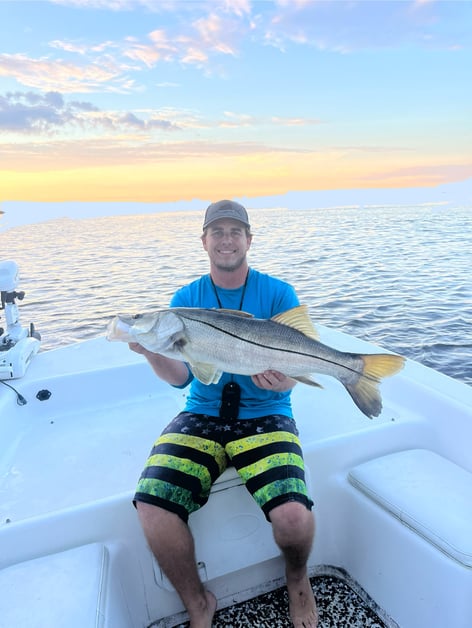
(226, 209)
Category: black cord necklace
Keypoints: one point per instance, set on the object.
(231, 393)
(242, 295)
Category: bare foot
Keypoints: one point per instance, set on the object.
(303, 611)
(204, 617)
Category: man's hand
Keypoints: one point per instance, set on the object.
(273, 380)
(137, 348)
(171, 371)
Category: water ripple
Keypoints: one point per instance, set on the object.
(399, 277)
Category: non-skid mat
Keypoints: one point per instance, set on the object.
(341, 604)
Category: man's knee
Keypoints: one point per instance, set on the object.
(154, 517)
(292, 520)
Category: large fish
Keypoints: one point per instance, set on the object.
(213, 341)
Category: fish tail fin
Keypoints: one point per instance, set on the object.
(365, 390)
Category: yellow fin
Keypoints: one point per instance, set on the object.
(364, 391)
(299, 319)
(379, 365)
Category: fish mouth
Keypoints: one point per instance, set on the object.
(128, 319)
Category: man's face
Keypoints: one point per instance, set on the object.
(226, 242)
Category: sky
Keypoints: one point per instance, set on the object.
(167, 101)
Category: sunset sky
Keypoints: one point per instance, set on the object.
(157, 101)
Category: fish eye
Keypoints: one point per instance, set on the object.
(137, 316)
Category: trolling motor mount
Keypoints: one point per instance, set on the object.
(18, 344)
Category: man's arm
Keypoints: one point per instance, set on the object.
(171, 371)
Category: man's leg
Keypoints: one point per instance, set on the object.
(172, 544)
(269, 458)
(175, 482)
(294, 528)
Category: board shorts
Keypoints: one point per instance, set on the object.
(195, 449)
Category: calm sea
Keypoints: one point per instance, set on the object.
(397, 276)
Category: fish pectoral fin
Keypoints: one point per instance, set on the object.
(206, 373)
(298, 318)
(306, 379)
(203, 371)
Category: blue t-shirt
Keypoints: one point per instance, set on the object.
(264, 297)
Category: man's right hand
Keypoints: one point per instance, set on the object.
(171, 371)
(137, 348)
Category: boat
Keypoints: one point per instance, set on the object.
(393, 494)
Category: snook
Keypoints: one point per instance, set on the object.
(213, 341)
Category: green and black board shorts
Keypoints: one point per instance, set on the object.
(195, 449)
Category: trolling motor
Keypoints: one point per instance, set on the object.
(18, 345)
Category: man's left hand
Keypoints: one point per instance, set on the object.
(273, 380)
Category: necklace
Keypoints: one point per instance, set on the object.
(231, 392)
(242, 295)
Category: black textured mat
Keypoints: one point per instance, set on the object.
(341, 604)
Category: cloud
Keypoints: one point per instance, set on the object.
(237, 120)
(214, 31)
(129, 120)
(216, 34)
(28, 112)
(23, 113)
(237, 7)
(81, 48)
(345, 27)
(44, 114)
(203, 38)
(114, 66)
(57, 75)
(431, 174)
(120, 150)
(158, 47)
(294, 121)
(341, 26)
(111, 5)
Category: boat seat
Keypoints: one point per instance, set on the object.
(230, 477)
(64, 589)
(426, 492)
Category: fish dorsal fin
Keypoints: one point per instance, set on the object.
(236, 313)
(299, 319)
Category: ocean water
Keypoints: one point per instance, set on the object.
(399, 277)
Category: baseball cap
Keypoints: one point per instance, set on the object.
(226, 209)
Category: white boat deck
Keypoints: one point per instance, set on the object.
(69, 464)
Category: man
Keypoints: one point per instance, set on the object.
(258, 410)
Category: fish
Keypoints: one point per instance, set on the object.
(213, 341)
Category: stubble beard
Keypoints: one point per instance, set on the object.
(230, 267)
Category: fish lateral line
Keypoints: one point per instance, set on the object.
(291, 351)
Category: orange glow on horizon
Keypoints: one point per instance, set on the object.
(219, 177)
